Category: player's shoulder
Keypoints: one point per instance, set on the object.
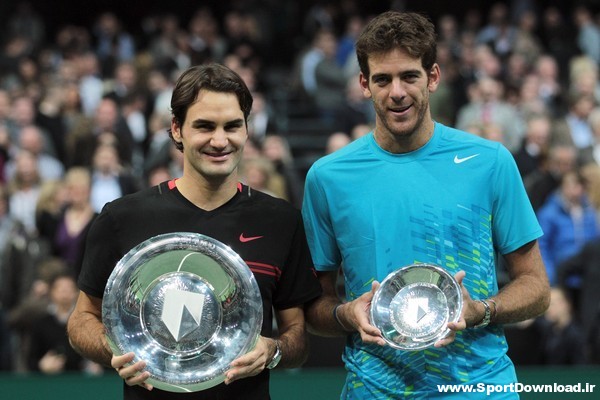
(135, 201)
(456, 140)
(264, 200)
(453, 135)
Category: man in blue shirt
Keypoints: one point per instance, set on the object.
(414, 190)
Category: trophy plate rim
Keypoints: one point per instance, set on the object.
(412, 320)
(185, 303)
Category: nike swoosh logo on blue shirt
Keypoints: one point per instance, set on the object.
(462, 160)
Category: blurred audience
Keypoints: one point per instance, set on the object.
(107, 124)
(525, 345)
(550, 89)
(574, 128)
(113, 43)
(562, 337)
(588, 33)
(109, 178)
(259, 173)
(49, 351)
(24, 189)
(336, 141)
(591, 179)
(330, 80)
(23, 317)
(68, 240)
(354, 109)
(591, 153)
(31, 140)
(487, 106)
(50, 204)
(542, 182)
(277, 149)
(534, 149)
(584, 265)
(13, 244)
(569, 222)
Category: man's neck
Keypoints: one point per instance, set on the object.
(207, 195)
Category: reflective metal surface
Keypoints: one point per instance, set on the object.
(186, 304)
(414, 304)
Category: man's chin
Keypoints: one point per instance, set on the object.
(217, 173)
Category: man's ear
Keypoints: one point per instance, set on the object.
(176, 130)
(364, 85)
(434, 78)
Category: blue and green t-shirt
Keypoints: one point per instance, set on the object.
(455, 202)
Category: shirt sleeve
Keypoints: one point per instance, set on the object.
(319, 229)
(100, 257)
(514, 221)
(298, 283)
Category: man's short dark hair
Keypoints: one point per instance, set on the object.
(411, 32)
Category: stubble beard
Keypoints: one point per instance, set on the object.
(403, 136)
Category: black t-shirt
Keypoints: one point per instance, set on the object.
(278, 256)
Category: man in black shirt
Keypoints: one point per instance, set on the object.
(210, 106)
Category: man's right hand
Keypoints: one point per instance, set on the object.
(132, 374)
(355, 314)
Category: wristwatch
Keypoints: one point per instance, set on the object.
(276, 357)
(487, 317)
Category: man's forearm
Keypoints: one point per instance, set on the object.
(320, 313)
(527, 295)
(294, 347)
(321, 320)
(87, 337)
(523, 298)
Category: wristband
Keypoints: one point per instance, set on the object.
(335, 316)
(495, 311)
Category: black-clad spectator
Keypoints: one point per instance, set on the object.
(50, 351)
(524, 340)
(542, 183)
(563, 340)
(83, 140)
(534, 149)
(586, 265)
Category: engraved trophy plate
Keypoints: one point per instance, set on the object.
(185, 303)
(414, 304)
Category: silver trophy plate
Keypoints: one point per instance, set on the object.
(185, 303)
(414, 304)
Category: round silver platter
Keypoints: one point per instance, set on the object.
(185, 303)
(414, 304)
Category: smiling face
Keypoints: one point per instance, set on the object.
(399, 87)
(213, 135)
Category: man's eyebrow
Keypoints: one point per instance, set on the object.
(201, 121)
(413, 72)
(233, 122)
(379, 75)
(406, 72)
(237, 121)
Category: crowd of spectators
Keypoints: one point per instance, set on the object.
(84, 114)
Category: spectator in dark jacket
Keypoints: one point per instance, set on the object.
(586, 265)
(563, 338)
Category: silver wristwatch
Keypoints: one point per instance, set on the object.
(487, 317)
(276, 357)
